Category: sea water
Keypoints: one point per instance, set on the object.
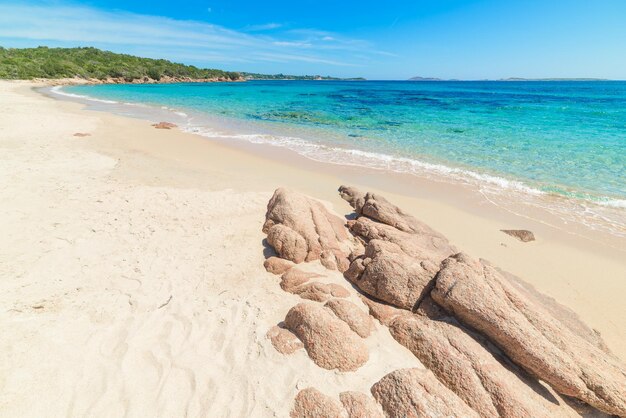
(557, 138)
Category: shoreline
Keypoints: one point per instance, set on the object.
(457, 212)
(78, 81)
(525, 201)
(135, 254)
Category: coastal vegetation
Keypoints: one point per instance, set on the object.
(93, 63)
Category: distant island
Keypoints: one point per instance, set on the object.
(510, 79)
(424, 79)
(257, 76)
(551, 79)
(93, 65)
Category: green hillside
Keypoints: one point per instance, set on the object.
(44, 62)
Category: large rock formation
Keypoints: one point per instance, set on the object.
(481, 297)
(414, 393)
(403, 265)
(488, 337)
(302, 229)
(330, 342)
(311, 403)
(467, 366)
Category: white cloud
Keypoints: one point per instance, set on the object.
(290, 43)
(181, 40)
(278, 57)
(263, 27)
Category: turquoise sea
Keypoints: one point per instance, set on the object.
(541, 138)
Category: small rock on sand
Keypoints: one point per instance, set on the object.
(523, 235)
(164, 125)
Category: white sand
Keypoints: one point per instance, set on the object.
(124, 299)
(131, 277)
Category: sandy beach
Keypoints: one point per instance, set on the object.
(131, 266)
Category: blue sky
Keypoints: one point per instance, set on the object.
(379, 40)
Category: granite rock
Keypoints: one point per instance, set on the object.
(330, 342)
(416, 393)
(311, 403)
(482, 298)
(302, 229)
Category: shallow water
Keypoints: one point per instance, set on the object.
(564, 139)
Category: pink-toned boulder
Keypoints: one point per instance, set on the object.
(311, 403)
(321, 292)
(523, 235)
(289, 244)
(283, 340)
(563, 314)
(481, 297)
(414, 244)
(478, 375)
(360, 405)
(377, 208)
(358, 320)
(330, 342)
(402, 255)
(416, 393)
(277, 265)
(389, 274)
(297, 282)
(164, 125)
(294, 277)
(302, 229)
